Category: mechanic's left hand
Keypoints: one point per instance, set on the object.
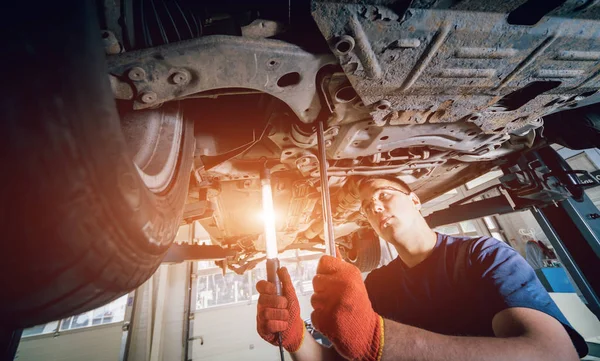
(279, 313)
(343, 311)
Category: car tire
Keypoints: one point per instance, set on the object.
(365, 252)
(79, 226)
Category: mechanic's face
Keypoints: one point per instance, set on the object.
(388, 208)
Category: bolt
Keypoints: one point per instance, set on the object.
(137, 73)
(111, 44)
(149, 97)
(180, 78)
(344, 45)
(379, 122)
(382, 105)
(474, 117)
(328, 143)
(593, 216)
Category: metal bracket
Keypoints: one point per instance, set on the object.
(496, 205)
(177, 70)
(196, 211)
(186, 252)
(576, 241)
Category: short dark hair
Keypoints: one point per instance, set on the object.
(390, 178)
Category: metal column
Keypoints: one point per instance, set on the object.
(127, 324)
(573, 229)
(192, 292)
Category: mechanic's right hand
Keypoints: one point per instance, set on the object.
(279, 313)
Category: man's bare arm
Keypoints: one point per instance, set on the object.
(311, 350)
(521, 334)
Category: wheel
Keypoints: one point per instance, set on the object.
(365, 252)
(574, 129)
(9, 342)
(86, 216)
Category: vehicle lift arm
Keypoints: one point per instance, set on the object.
(543, 182)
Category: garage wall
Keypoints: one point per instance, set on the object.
(228, 333)
(140, 338)
(157, 330)
(174, 338)
(158, 323)
(99, 343)
(524, 220)
(95, 335)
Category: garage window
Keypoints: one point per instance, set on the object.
(213, 289)
(219, 289)
(468, 228)
(483, 179)
(110, 313)
(463, 229)
(451, 230)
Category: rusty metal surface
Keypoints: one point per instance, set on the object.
(237, 206)
(446, 65)
(343, 101)
(110, 42)
(363, 138)
(215, 62)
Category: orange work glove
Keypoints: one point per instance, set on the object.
(343, 311)
(279, 313)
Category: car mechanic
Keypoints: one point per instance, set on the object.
(442, 298)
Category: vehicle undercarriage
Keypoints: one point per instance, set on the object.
(434, 92)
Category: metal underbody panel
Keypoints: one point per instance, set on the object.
(446, 65)
(237, 218)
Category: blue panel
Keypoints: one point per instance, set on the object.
(555, 279)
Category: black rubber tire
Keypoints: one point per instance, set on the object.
(365, 253)
(9, 342)
(79, 228)
(575, 129)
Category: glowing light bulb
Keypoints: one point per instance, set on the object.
(268, 216)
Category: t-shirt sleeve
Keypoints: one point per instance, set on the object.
(509, 281)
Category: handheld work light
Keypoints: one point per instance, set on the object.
(270, 234)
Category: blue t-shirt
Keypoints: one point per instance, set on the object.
(460, 287)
